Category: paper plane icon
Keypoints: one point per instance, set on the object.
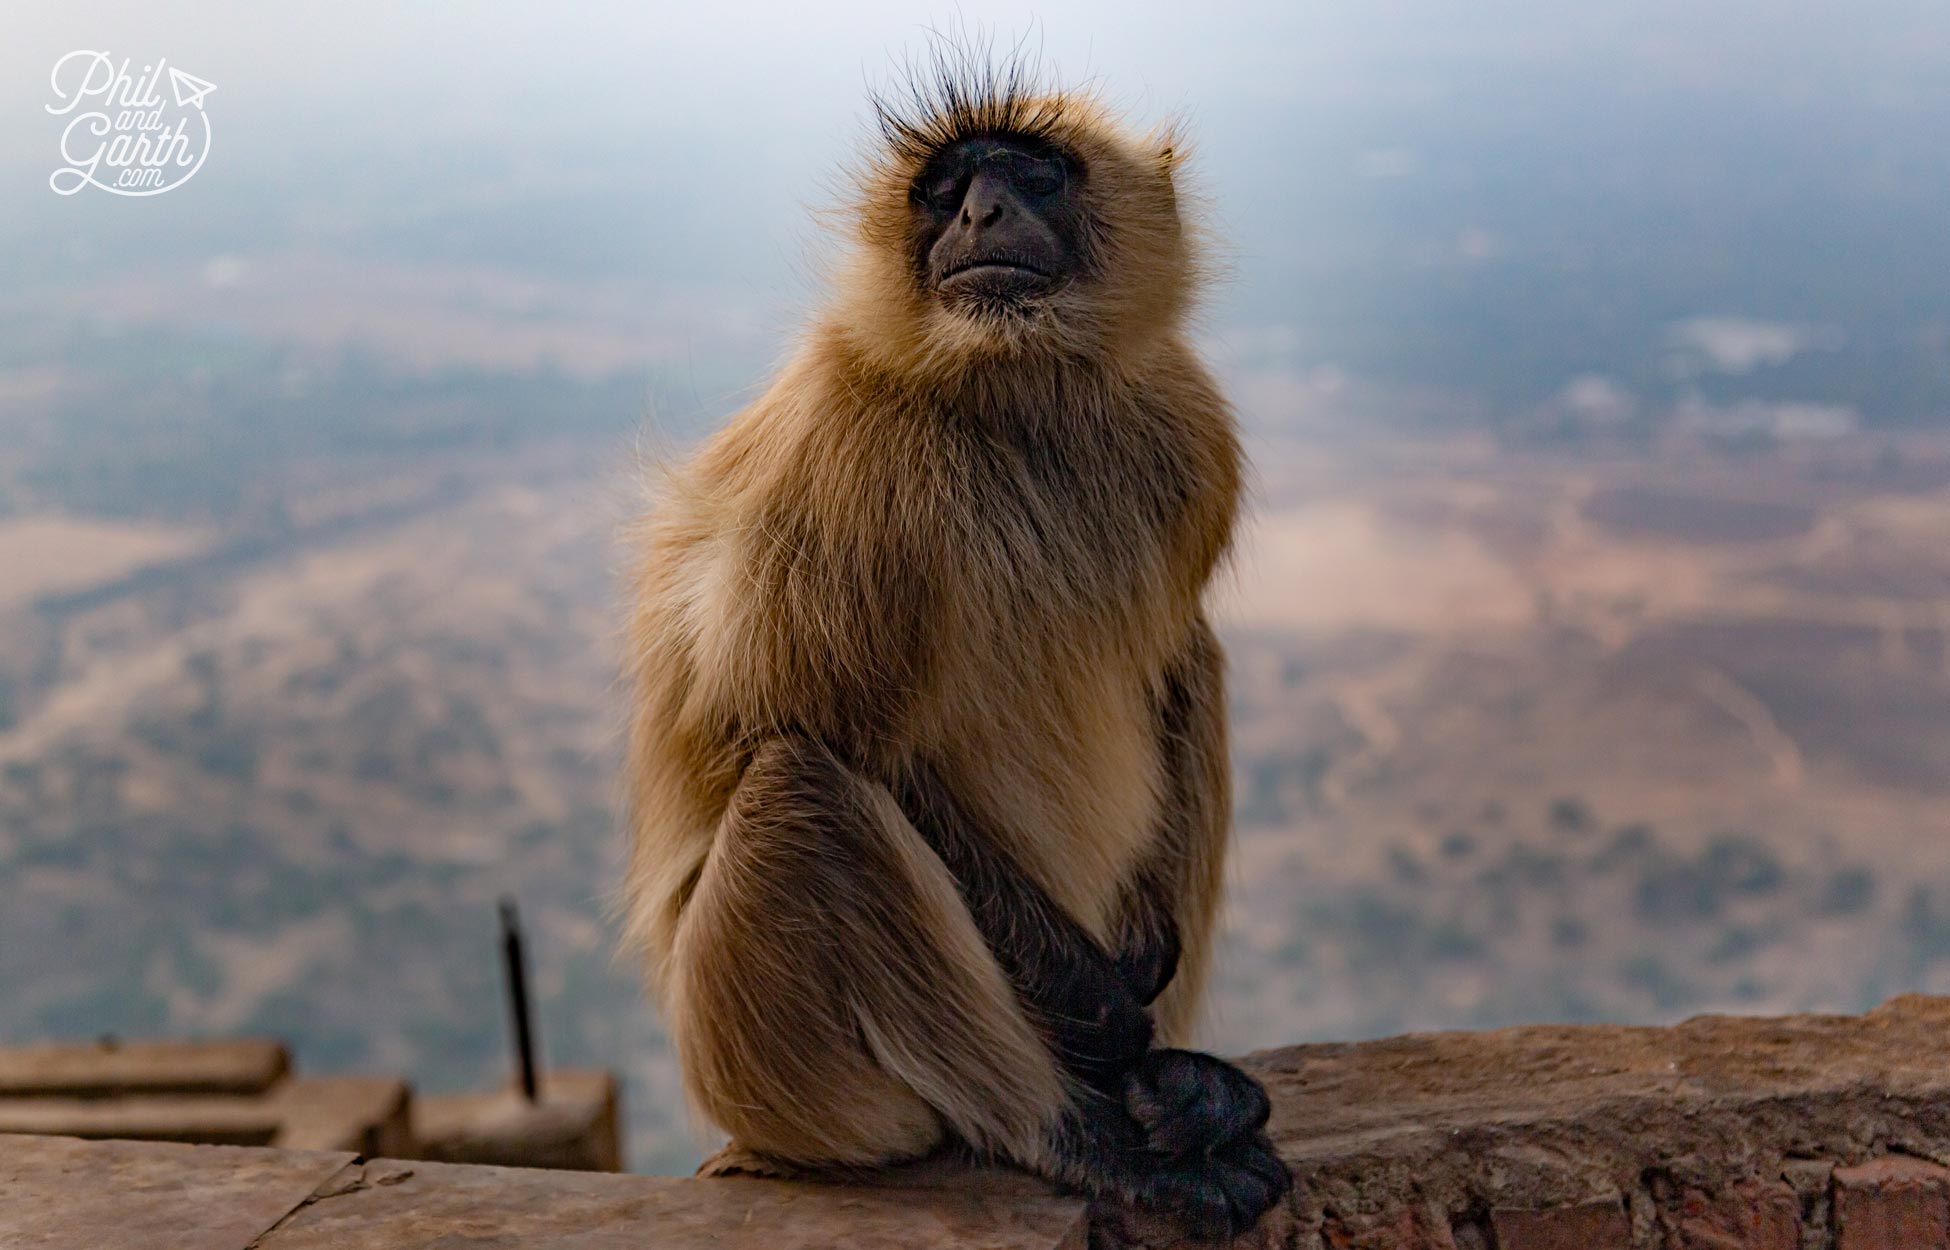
(189, 89)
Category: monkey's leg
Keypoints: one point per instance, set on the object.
(1168, 1130)
(835, 1004)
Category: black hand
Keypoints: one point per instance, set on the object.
(1150, 960)
(1084, 999)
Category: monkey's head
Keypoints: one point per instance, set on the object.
(998, 219)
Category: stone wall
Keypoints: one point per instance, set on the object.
(1721, 1133)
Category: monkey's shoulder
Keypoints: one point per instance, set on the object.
(828, 490)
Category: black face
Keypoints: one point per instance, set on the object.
(999, 220)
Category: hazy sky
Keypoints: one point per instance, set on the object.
(1495, 199)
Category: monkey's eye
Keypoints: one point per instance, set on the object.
(1036, 175)
(937, 188)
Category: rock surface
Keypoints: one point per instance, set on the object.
(389, 1205)
(1801, 1133)
(574, 1124)
(109, 1068)
(57, 1193)
(1441, 1140)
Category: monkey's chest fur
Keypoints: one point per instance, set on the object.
(1002, 602)
(1051, 631)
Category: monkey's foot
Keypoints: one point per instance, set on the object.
(1219, 1194)
(734, 1160)
(1185, 1145)
(1205, 1160)
(1187, 1103)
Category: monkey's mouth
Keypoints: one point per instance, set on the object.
(996, 276)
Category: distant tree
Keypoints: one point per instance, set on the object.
(1848, 892)
(1630, 844)
(1571, 815)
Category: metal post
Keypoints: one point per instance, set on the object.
(515, 964)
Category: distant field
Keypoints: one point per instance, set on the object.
(1547, 737)
(1349, 563)
(41, 555)
(1517, 736)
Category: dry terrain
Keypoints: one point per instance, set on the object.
(1528, 737)
(1519, 736)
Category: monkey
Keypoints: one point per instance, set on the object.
(927, 774)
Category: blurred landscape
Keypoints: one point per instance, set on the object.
(1590, 638)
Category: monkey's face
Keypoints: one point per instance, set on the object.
(997, 222)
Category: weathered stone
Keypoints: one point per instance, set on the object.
(394, 1205)
(1807, 1133)
(574, 1124)
(109, 1069)
(1599, 1225)
(1402, 1230)
(57, 1193)
(1812, 1180)
(1547, 1116)
(1892, 1203)
(1748, 1216)
(207, 1121)
(367, 1115)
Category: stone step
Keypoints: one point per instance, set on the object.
(108, 1069)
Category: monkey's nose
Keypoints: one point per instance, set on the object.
(985, 202)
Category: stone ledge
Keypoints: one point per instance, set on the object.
(1800, 1133)
(60, 1193)
(1719, 1133)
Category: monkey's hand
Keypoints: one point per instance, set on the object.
(1097, 1025)
(1149, 961)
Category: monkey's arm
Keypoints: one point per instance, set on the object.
(1141, 1115)
(1091, 1002)
(1085, 1002)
